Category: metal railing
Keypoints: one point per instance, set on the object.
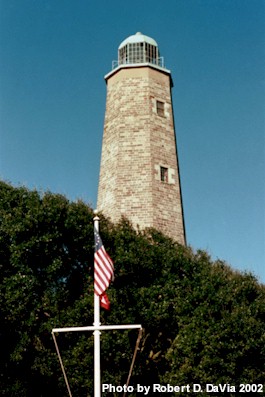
(158, 61)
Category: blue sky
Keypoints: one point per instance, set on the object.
(53, 58)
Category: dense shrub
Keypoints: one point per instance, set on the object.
(203, 322)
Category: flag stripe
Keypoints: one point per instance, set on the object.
(103, 267)
(104, 274)
(102, 258)
(100, 283)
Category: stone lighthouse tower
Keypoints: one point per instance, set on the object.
(139, 174)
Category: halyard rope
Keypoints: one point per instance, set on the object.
(133, 359)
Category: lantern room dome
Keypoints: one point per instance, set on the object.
(137, 49)
(138, 38)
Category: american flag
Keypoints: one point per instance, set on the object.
(103, 269)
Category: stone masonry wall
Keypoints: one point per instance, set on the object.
(137, 142)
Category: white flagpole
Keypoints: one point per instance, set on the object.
(96, 328)
(97, 380)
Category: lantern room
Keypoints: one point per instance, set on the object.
(137, 49)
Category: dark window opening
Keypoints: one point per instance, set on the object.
(164, 174)
(160, 108)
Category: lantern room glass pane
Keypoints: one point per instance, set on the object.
(138, 53)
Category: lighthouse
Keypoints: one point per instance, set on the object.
(139, 172)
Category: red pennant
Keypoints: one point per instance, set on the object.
(104, 301)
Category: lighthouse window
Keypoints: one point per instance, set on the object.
(123, 56)
(151, 53)
(135, 53)
(160, 108)
(164, 174)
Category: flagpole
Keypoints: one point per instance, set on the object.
(103, 273)
(97, 380)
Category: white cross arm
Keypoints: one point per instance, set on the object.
(99, 328)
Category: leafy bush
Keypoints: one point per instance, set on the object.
(203, 322)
